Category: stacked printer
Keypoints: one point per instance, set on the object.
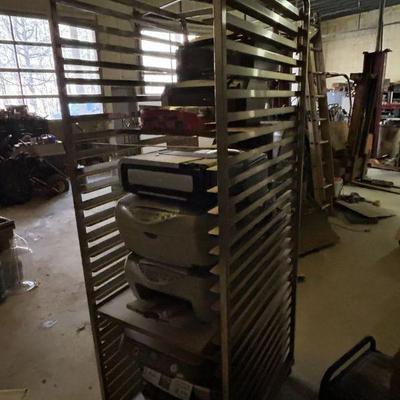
(164, 221)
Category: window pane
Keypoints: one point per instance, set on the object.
(71, 32)
(176, 37)
(5, 28)
(31, 30)
(81, 54)
(7, 56)
(154, 89)
(149, 61)
(46, 108)
(9, 84)
(158, 62)
(78, 75)
(37, 57)
(155, 34)
(148, 45)
(80, 68)
(83, 109)
(39, 83)
(83, 89)
(158, 78)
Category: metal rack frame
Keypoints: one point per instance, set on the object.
(258, 240)
(258, 324)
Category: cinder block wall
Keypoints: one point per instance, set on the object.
(346, 38)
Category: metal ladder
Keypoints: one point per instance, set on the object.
(321, 153)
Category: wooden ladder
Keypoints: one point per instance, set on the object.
(321, 153)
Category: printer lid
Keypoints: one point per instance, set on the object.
(174, 159)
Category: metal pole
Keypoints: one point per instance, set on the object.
(220, 61)
(379, 36)
(73, 174)
(302, 122)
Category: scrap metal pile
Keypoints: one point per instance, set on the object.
(21, 172)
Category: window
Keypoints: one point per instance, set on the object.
(167, 46)
(27, 73)
(79, 71)
(168, 61)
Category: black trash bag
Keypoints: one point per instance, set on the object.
(15, 184)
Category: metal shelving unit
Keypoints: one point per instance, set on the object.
(258, 211)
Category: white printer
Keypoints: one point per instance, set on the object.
(179, 175)
(166, 231)
(165, 222)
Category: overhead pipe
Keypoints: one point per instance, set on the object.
(379, 36)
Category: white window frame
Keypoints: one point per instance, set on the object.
(23, 98)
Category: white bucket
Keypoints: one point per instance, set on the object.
(338, 186)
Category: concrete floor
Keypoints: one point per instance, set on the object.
(351, 290)
(58, 362)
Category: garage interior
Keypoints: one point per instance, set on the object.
(73, 326)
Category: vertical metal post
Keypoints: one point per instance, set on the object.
(302, 122)
(72, 172)
(220, 60)
(379, 36)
